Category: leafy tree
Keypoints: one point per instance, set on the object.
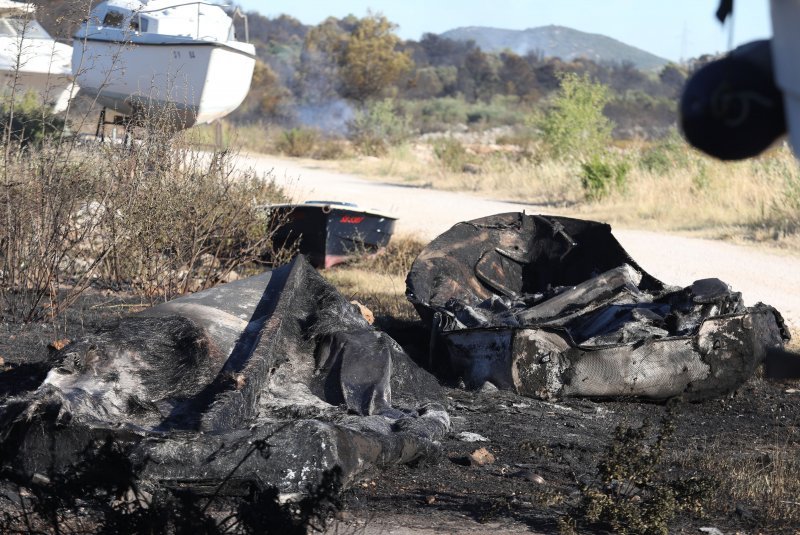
(672, 77)
(426, 83)
(317, 78)
(478, 77)
(370, 61)
(575, 126)
(517, 77)
(441, 51)
(547, 73)
(626, 77)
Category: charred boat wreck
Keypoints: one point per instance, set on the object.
(553, 307)
(188, 388)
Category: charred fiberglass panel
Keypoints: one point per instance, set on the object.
(553, 307)
(188, 387)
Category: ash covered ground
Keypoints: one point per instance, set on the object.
(736, 459)
(731, 463)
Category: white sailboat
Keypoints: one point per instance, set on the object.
(31, 60)
(140, 57)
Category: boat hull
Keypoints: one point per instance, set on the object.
(40, 66)
(52, 90)
(179, 82)
(328, 234)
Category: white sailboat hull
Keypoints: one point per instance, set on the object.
(38, 66)
(187, 81)
(52, 90)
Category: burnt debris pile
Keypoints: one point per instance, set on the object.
(275, 382)
(188, 390)
(553, 307)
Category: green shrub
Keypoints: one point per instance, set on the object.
(377, 125)
(440, 113)
(575, 126)
(27, 121)
(665, 155)
(600, 177)
(298, 142)
(450, 153)
(501, 110)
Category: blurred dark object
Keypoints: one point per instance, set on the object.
(725, 8)
(731, 108)
(782, 364)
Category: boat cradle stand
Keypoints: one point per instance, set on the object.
(117, 120)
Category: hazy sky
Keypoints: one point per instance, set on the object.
(673, 29)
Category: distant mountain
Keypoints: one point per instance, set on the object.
(557, 41)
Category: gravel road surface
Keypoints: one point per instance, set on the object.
(760, 275)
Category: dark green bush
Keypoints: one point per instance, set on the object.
(25, 124)
(600, 177)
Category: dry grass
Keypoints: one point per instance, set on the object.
(252, 137)
(761, 481)
(156, 218)
(754, 200)
(378, 281)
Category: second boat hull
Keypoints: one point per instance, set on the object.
(36, 65)
(52, 90)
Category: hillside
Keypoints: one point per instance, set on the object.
(557, 41)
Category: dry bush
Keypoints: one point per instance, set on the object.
(633, 492)
(298, 142)
(186, 219)
(395, 259)
(310, 143)
(155, 217)
(44, 199)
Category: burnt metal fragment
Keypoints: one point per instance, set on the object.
(553, 307)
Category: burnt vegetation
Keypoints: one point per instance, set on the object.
(103, 494)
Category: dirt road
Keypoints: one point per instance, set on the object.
(760, 276)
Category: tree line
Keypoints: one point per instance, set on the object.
(359, 59)
(362, 59)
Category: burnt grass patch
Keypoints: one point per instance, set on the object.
(572, 467)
